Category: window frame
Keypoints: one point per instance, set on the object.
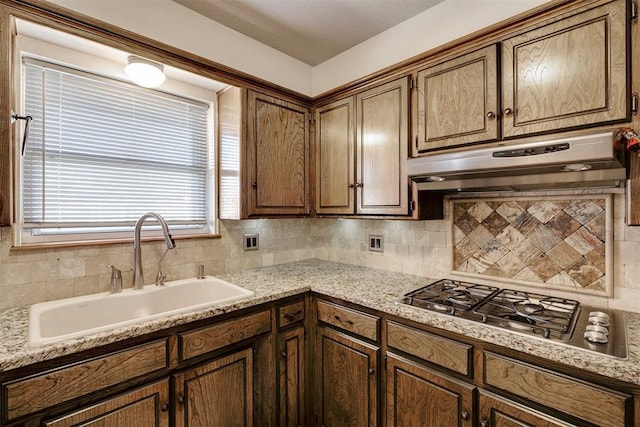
(22, 236)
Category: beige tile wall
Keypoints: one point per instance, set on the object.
(421, 247)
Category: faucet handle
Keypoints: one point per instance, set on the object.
(116, 280)
(160, 278)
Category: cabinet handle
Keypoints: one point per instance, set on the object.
(464, 415)
(254, 184)
(350, 185)
(284, 354)
(164, 407)
(484, 423)
(359, 185)
(372, 371)
(291, 316)
(180, 399)
(508, 111)
(349, 322)
(491, 115)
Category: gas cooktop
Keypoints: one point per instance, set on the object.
(547, 317)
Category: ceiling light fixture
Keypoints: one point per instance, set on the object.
(145, 73)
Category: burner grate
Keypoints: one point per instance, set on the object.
(540, 314)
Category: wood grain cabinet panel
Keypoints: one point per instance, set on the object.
(569, 73)
(218, 393)
(458, 101)
(290, 313)
(30, 395)
(362, 324)
(382, 140)
(347, 375)
(419, 397)
(291, 377)
(277, 156)
(433, 348)
(499, 412)
(335, 158)
(562, 393)
(200, 341)
(144, 407)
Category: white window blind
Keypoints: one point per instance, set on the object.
(102, 152)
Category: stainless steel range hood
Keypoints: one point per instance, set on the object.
(584, 161)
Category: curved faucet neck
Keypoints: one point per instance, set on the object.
(138, 277)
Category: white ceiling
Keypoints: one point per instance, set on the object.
(309, 30)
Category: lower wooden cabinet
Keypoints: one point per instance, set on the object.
(499, 412)
(291, 378)
(347, 380)
(147, 406)
(217, 393)
(420, 397)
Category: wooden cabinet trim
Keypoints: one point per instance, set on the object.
(291, 313)
(139, 407)
(442, 351)
(350, 320)
(26, 396)
(557, 391)
(200, 341)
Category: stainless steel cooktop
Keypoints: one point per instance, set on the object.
(547, 317)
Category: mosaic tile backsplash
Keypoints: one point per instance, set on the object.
(556, 242)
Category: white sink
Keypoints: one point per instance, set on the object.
(74, 317)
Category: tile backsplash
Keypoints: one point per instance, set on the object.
(416, 247)
(557, 242)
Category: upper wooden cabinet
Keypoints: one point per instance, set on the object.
(361, 151)
(277, 156)
(457, 101)
(335, 158)
(566, 73)
(570, 73)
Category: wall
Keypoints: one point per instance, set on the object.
(180, 27)
(415, 247)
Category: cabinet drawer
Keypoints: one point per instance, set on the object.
(349, 320)
(290, 313)
(433, 348)
(204, 340)
(591, 403)
(32, 394)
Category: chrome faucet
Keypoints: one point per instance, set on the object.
(138, 278)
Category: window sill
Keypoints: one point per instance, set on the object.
(78, 244)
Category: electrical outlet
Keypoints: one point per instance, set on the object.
(250, 242)
(376, 243)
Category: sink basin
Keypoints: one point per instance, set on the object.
(74, 317)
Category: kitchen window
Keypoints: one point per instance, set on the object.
(101, 152)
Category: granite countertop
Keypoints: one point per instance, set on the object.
(376, 289)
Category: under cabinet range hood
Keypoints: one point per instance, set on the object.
(583, 161)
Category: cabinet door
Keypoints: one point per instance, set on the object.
(569, 73)
(458, 101)
(217, 393)
(382, 144)
(145, 407)
(420, 397)
(347, 385)
(277, 156)
(498, 412)
(291, 377)
(335, 162)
